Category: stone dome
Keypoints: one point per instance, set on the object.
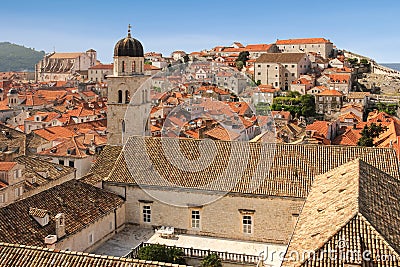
(128, 47)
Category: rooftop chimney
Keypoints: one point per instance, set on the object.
(60, 225)
(50, 241)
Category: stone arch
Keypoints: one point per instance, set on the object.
(127, 97)
(119, 96)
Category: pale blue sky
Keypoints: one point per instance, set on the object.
(367, 27)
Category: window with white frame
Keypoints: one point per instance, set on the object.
(247, 221)
(195, 219)
(147, 214)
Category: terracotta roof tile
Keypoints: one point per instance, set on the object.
(7, 166)
(303, 41)
(34, 256)
(355, 203)
(330, 93)
(82, 204)
(291, 173)
(281, 58)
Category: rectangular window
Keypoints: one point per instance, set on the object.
(247, 224)
(61, 162)
(259, 66)
(2, 198)
(91, 239)
(195, 219)
(71, 163)
(146, 214)
(18, 191)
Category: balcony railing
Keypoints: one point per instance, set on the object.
(202, 253)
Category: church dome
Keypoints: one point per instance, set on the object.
(128, 47)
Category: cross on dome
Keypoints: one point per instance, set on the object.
(129, 30)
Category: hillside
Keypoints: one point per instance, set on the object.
(18, 58)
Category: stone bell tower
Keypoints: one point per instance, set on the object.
(123, 94)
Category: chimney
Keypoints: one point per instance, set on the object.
(60, 225)
(50, 241)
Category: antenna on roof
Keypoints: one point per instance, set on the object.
(129, 30)
(54, 49)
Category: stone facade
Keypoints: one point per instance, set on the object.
(95, 233)
(63, 66)
(273, 218)
(281, 69)
(320, 46)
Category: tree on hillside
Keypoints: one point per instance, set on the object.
(243, 56)
(18, 58)
(370, 132)
(239, 65)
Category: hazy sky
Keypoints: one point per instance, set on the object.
(370, 28)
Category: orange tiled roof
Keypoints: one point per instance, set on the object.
(330, 93)
(102, 67)
(52, 133)
(303, 41)
(150, 67)
(66, 55)
(48, 116)
(258, 47)
(339, 77)
(6, 166)
(320, 127)
(221, 133)
(349, 115)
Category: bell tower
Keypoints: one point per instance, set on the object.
(128, 76)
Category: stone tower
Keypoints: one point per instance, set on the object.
(123, 85)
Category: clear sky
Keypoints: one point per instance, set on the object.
(371, 28)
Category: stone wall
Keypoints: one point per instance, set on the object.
(101, 230)
(273, 218)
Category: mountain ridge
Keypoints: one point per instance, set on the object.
(14, 57)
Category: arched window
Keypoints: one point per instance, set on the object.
(123, 126)
(119, 96)
(123, 66)
(127, 97)
(134, 67)
(141, 66)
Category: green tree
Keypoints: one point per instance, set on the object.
(186, 58)
(212, 260)
(263, 108)
(239, 65)
(243, 56)
(296, 104)
(157, 252)
(370, 132)
(258, 82)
